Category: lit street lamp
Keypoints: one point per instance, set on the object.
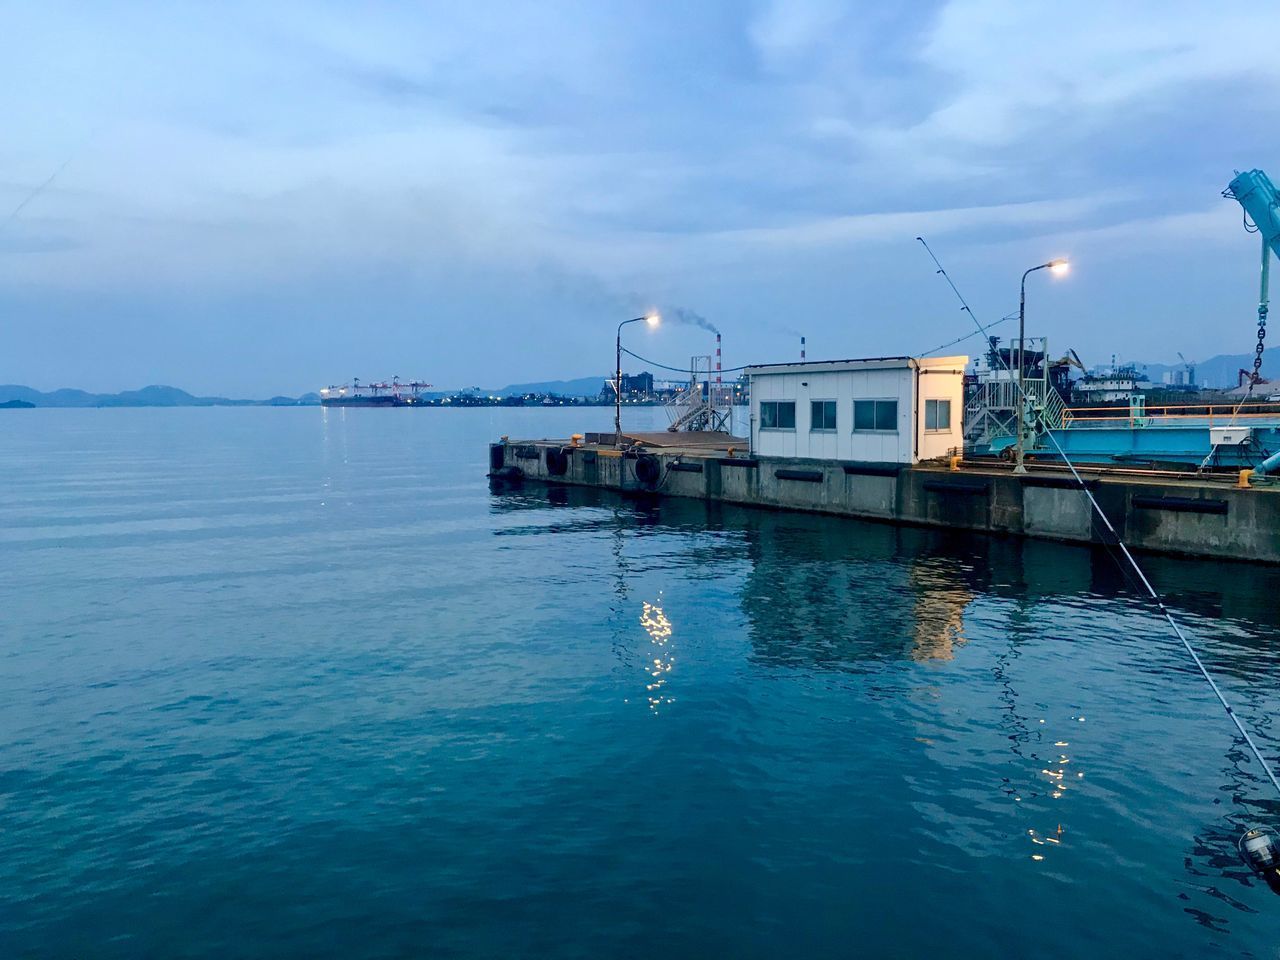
(1057, 267)
(652, 320)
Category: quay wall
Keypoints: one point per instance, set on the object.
(1176, 516)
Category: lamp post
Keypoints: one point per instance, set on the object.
(652, 320)
(1058, 267)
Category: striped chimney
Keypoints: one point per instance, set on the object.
(802, 349)
(717, 359)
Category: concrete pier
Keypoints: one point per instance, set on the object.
(1203, 517)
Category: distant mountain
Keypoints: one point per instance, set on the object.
(306, 400)
(153, 396)
(1219, 371)
(582, 387)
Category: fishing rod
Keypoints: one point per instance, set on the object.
(1256, 847)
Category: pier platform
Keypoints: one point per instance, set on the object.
(1165, 512)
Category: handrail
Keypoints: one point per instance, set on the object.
(1186, 406)
(1147, 417)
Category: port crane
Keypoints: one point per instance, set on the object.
(1260, 201)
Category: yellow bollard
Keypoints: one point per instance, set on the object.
(575, 440)
(731, 452)
(955, 464)
(1243, 482)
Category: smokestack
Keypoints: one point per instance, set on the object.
(802, 349)
(717, 359)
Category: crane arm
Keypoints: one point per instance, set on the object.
(1255, 192)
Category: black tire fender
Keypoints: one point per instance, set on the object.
(557, 462)
(648, 469)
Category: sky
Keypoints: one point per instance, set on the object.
(253, 199)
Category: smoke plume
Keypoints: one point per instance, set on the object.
(681, 315)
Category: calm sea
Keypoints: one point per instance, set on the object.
(297, 683)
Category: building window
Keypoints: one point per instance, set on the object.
(937, 415)
(777, 414)
(875, 415)
(822, 415)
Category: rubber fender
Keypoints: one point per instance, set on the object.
(648, 469)
(557, 463)
(511, 474)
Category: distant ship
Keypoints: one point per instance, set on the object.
(391, 393)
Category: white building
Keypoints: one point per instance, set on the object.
(887, 410)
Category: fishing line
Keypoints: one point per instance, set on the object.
(1133, 564)
(35, 193)
(969, 336)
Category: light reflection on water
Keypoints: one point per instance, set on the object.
(662, 659)
(306, 682)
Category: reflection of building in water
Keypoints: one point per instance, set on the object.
(939, 613)
(822, 591)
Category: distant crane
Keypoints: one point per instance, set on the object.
(1189, 368)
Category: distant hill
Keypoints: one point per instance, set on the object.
(153, 396)
(582, 387)
(1219, 371)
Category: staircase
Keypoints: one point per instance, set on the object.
(992, 413)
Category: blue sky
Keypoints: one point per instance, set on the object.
(262, 198)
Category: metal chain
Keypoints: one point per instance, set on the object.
(1262, 336)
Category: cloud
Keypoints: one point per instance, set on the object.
(579, 158)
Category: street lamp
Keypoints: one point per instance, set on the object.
(652, 319)
(1058, 268)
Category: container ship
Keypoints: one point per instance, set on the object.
(385, 393)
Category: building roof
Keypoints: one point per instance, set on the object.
(868, 363)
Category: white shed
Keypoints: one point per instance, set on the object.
(887, 410)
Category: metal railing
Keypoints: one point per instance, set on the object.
(992, 412)
(1207, 414)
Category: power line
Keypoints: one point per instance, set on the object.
(654, 363)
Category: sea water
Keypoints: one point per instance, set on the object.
(298, 683)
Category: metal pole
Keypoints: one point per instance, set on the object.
(617, 384)
(1019, 466)
(617, 390)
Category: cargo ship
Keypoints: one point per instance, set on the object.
(386, 393)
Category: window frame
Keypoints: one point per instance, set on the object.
(778, 403)
(833, 406)
(936, 403)
(875, 415)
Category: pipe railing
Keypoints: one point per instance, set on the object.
(1226, 413)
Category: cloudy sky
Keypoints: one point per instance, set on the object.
(259, 198)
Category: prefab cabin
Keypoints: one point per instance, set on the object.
(884, 410)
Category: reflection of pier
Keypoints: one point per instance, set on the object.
(1005, 694)
(799, 559)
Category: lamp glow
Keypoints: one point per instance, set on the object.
(653, 319)
(1059, 267)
